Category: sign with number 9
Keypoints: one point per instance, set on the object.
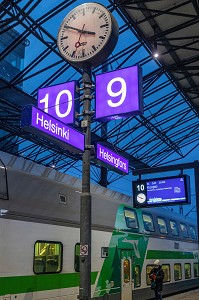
(119, 94)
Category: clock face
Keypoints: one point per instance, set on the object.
(141, 198)
(85, 32)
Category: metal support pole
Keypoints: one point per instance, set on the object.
(103, 177)
(103, 171)
(85, 213)
(196, 171)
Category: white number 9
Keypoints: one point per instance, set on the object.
(121, 92)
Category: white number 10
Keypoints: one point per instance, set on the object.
(57, 103)
(121, 92)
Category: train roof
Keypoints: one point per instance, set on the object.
(34, 193)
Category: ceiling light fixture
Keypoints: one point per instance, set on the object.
(155, 46)
(155, 50)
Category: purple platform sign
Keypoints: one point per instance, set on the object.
(119, 94)
(112, 159)
(37, 121)
(59, 101)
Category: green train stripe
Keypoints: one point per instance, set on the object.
(157, 254)
(27, 284)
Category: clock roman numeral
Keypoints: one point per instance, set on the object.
(93, 10)
(73, 54)
(83, 52)
(101, 37)
(83, 11)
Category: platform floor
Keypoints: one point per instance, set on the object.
(191, 295)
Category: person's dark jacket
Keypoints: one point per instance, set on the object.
(157, 275)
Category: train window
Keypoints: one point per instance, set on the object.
(177, 272)
(196, 269)
(162, 225)
(192, 232)
(187, 270)
(131, 218)
(137, 276)
(77, 257)
(148, 270)
(167, 273)
(48, 257)
(184, 231)
(126, 269)
(174, 227)
(148, 222)
(4, 183)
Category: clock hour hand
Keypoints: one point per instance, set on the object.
(80, 30)
(88, 32)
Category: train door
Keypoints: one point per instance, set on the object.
(126, 275)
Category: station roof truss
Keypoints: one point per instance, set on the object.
(167, 131)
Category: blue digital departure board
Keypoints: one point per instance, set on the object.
(161, 191)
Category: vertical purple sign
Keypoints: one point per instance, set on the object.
(59, 101)
(119, 94)
(112, 159)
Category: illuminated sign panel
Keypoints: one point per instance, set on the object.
(59, 101)
(119, 94)
(37, 121)
(111, 159)
(161, 191)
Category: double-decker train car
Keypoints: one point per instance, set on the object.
(40, 239)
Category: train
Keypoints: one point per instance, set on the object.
(40, 239)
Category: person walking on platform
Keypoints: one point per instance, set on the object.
(156, 276)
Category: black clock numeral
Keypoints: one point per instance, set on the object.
(93, 10)
(83, 52)
(101, 37)
(64, 38)
(101, 15)
(104, 25)
(73, 16)
(73, 54)
(64, 49)
(94, 48)
(83, 11)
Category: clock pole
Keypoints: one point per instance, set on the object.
(85, 208)
(85, 40)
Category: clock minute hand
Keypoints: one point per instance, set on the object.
(74, 28)
(80, 30)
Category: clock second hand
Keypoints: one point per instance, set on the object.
(78, 44)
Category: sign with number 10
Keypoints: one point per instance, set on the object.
(119, 94)
(59, 101)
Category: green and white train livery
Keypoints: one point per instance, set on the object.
(40, 250)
